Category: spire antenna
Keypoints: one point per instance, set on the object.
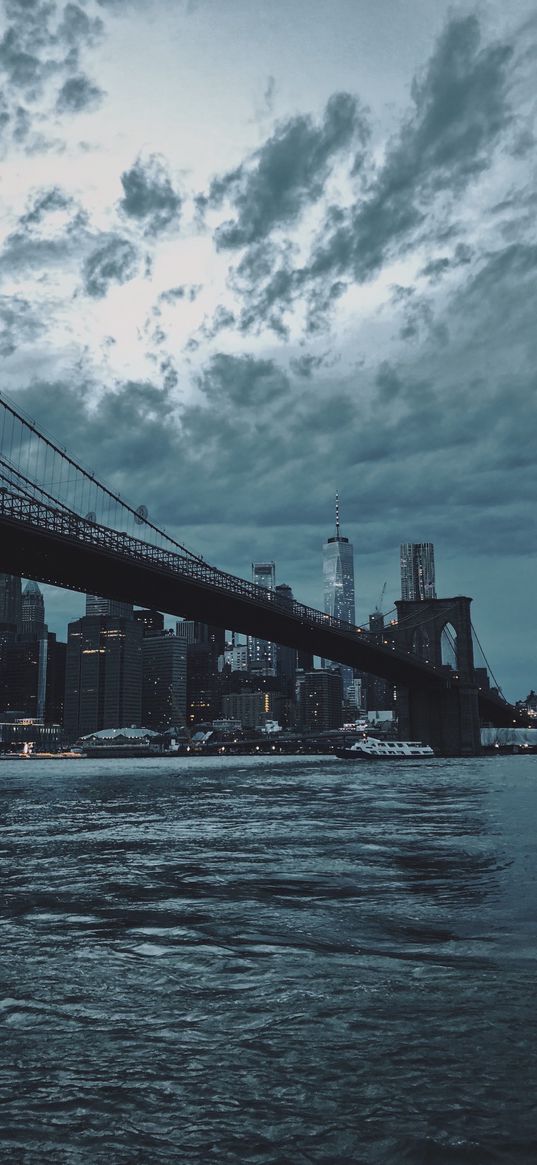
(337, 514)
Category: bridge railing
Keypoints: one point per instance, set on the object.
(67, 524)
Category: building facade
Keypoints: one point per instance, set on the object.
(10, 602)
(261, 653)
(103, 681)
(338, 575)
(32, 610)
(163, 681)
(417, 571)
(95, 605)
(250, 708)
(25, 676)
(321, 701)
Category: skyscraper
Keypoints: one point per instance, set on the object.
(27, 675)
(417, 571)
(164, 680)
(338, 575)
(103, 682)
(338, 590)
(23, 648)
(261, 653)
(321, 701)
(33, 610)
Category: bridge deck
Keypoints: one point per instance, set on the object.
(57, 546)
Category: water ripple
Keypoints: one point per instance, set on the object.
(268, 961)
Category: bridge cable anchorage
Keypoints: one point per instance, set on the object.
(28, 424)
(491, 673)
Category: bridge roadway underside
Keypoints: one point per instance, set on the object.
(42, 556)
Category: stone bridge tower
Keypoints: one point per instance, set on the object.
(440, 632)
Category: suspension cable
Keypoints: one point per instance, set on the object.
(30, 424)
(502, 694)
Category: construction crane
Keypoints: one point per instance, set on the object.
(382, 593)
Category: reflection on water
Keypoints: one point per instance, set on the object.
(268, 960)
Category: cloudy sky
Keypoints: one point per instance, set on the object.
(254, 251)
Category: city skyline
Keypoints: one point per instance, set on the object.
(322, 276)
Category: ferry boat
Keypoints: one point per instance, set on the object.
(371, 748)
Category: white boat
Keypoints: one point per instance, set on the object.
(370, 748)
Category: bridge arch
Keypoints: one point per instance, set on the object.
(450, 721)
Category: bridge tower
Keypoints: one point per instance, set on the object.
(440, 632)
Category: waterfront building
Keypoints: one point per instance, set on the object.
(55, 687)
(251, 708)
(417, 571)
(103, 683)
(261, 653)
(25, 676)
(205, 646)
(23, 649)
(164, 691)
(321, 700)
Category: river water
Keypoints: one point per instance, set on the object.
(269, 961)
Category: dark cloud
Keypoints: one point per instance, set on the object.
(435, 269)
(77, 28)
(19, 324)
(149, 196)
(242, 381)
(39, 241)
(40, 63)
(306, 364)
(266, 283)
(418, 315)
(45, 202)
(388, 382)
(222, 320)
(114, 260)
(78, 95)
(460, 115)
(26, 56)
(289, 172)
(461, 110)
(183, 291)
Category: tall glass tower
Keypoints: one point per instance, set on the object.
(338, 592)
(417, 571)
(338, 575)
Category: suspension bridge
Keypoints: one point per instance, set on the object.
(59, 524)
